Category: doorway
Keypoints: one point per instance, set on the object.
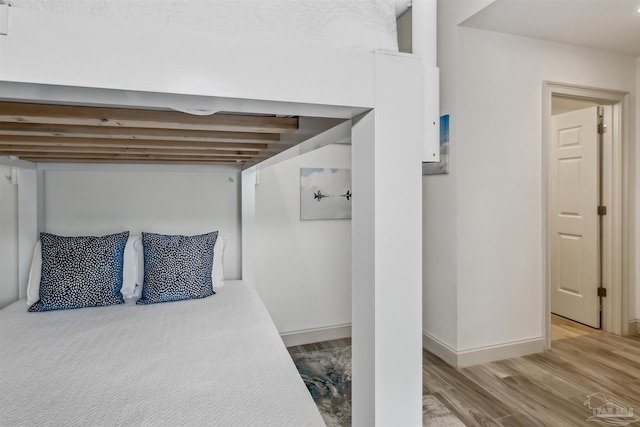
(583, 142)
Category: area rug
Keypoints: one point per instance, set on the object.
(327, 375)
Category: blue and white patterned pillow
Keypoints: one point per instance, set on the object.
(177, 267)
(80, 271)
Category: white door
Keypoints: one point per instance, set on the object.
(574, 217)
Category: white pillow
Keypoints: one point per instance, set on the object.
(130, 267)
(130, 270)
(136, 292)
(217, 271)
(35, 274)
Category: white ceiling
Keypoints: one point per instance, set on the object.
(612, 25)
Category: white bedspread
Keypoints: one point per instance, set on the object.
(347, 24)
(215, 361)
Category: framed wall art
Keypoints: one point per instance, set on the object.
(325, 193)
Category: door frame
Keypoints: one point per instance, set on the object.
(615, 195)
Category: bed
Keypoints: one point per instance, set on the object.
(192, 133)
(143, 330)
(211, 361)
(376, 96)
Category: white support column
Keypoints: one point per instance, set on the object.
(424, 29)
(363, 271)
(249, 225)
(387, 249)
(27, 224)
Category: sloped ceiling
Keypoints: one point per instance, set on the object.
(612, 25)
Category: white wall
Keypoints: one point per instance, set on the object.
(486, 217)
(439, 267)
(102, 199)
(303, 268)
(499, 171)
(8, 239)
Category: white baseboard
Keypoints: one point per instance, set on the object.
(440, 349)
(476, 356)
(634, 327)
(308, 336)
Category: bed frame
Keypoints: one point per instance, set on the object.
(379, 95)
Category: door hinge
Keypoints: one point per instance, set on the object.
(602, 210)
(602, 128)
(602, 292)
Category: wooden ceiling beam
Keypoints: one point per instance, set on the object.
(140, 157)
(19, 150)
(15, 112)
(132, 161)
(127, 143)
(52, 130)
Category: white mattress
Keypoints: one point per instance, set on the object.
(215, 361)
(347, 24)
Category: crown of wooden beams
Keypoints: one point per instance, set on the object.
(62, 133)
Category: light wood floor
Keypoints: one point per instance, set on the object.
(562, 328)
(546, 389)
